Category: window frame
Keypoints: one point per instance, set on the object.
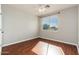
(57, 25)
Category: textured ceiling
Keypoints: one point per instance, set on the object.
(33, 8)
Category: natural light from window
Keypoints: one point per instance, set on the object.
(50, 22)
(43, 48)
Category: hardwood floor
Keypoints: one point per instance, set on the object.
(24, 48)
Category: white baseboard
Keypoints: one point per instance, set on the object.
(60, 41)
(18, 41)
(63, 42)
(43, 38)
(40, 37)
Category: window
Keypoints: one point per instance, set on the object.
(46, 23)
(50, 22)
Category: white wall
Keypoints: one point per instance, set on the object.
(0, 30)
(67, 28)
(78, 29)
(17, 25)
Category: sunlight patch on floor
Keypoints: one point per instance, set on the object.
(43, 48)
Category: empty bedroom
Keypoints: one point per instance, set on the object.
(39, 29)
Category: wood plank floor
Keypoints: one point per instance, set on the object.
(24, 48)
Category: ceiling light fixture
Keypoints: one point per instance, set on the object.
(43, 8)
